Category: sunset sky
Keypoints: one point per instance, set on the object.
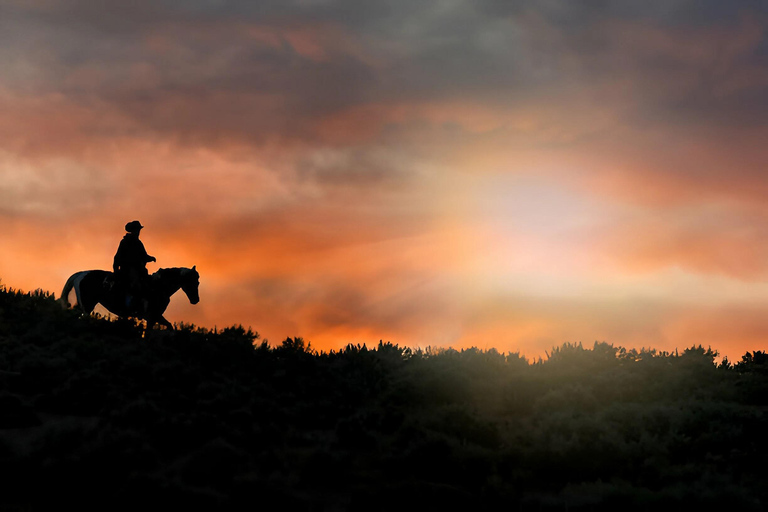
(447, 173)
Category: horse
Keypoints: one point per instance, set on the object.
(97, 287)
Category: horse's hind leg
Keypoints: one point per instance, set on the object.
(87, 291)
(86, 302)
(88, 306)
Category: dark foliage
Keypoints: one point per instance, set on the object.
(95, 416)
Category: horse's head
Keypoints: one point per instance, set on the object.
(190, 281)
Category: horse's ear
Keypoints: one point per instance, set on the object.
(194, 267)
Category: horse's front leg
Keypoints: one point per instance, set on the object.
(163, 321)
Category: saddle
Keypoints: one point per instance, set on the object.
(133, 298)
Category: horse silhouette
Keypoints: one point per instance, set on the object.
(96, 287)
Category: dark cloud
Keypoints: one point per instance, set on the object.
(356, 168)
(206, 70)
(581, 14)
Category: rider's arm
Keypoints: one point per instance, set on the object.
(147, 257)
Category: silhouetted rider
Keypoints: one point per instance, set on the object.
(130, 265)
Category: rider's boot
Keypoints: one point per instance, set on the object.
(129, 300)
(136, 305)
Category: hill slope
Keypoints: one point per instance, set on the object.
(94, 415)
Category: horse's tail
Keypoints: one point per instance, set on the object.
(72, 282)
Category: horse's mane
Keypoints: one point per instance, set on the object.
(174, 273)
(172, 270)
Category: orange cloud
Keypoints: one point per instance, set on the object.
(512, 181)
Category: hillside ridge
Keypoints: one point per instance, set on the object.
(93, 413)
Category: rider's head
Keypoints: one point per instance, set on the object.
(133, 227)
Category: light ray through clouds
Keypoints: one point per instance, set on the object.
(503, 174)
